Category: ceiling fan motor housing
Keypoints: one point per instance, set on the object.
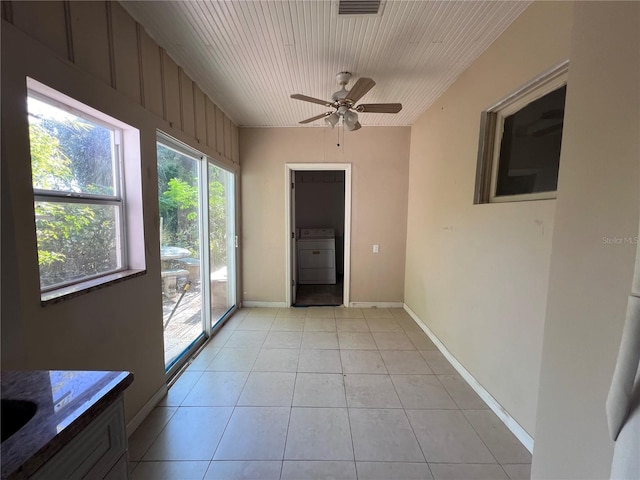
(339, 95)
(343, 78)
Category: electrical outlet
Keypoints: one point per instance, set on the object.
(376, 248)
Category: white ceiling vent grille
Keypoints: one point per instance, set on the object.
(359, 7)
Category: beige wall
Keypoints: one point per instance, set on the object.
(320, 200)
(95, 53)
(380, 164)
(477, 274)
(590, 278)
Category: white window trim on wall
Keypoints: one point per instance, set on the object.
(491, 130)
(289, 170)
(132, 260)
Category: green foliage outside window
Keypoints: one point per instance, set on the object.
(178, 202)
(75, 240)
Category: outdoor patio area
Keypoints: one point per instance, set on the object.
(185, 325)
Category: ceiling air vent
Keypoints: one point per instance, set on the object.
(359, 7)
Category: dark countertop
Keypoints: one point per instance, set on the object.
(67, 402)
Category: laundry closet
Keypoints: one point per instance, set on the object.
(319, 222)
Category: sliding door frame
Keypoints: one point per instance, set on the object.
(169, 142)
(204, 160)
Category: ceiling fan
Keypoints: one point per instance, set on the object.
(344, 103)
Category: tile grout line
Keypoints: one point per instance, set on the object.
(233, 410)
(339, 350)
(286, 438)
(293, 394)
(346, 401)
(481, 439)
(156, 436)
(404, 410)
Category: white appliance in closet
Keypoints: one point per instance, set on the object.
(317, 256)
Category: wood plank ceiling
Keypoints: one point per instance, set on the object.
(250, 55)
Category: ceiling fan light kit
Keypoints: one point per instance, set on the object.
(350, 118)
(332, 119)
(344, 103)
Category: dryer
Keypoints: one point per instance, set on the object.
(317, 256)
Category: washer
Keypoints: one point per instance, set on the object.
(317, 256)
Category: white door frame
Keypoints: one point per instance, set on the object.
(289, 170)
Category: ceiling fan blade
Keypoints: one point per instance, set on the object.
(357, 126)
(360, 88)
(304, 98)
(317, 117)
(379, 107)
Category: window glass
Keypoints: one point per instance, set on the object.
(70, 153)
(221, 241)
(179, 189)
(520, 141)
(530, 147)
(77, 194)
(75, 241)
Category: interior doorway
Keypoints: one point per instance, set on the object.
(318, 207)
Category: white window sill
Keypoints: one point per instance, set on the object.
(65, 293)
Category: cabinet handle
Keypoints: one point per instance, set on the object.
(316, 252)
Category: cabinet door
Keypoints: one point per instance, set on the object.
(120, 471)
(93, 452)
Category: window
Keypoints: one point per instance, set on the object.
(78, 186)
(520, 140)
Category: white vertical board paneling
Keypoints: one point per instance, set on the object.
(125, 46)
(200, 114)
(91, 38)
(151, 73)
(106, 42)
(220, 131)
(210, 112)
(235, 147)
(44, 21)
(186, 103)
(227, 138)
(171, 91)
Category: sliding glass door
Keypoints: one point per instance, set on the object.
(221, 242)
(197, 247)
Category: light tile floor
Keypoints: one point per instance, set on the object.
(323, 393)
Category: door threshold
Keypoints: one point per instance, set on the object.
(317, 305)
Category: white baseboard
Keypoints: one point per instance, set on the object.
(139, 417)
(376, 304)
(250, 304)
(520, 433)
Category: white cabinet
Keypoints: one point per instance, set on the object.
(97, 452)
